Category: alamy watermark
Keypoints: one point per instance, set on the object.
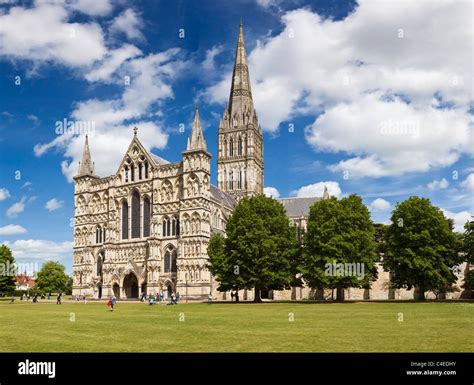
(74, 127)
(339, 269)
(407, 127)
(14, 269)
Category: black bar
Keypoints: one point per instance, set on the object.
(241, 368)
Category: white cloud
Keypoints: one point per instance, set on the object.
(37, 249)
(209, 62)
(317, 190)
(128, 23)
(468, 183)
(359, 74)
(438, 184)
(12, 230)
(271, 192)
(92, 7)
(390, 138)
(4, 194)
(380, 204)
(54, 204)
(112, 62)
(459, 218)
(16, 208)
(43, 34)
(151, 77)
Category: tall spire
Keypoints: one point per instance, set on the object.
(240, 91)
(86, 167)
(196, 141)
(326, 192)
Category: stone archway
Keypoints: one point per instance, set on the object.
(116, 290)
(130, 286)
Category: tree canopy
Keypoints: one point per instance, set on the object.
(422, 248)
(7, 270)
(339, 246)
(260, 250)
(52, 278)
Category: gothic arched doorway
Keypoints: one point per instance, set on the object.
(116, 289)
(130, 286)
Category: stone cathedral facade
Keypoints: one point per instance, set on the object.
(146, 228)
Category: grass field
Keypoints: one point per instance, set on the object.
(137, 327)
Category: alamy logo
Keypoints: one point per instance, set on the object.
(37, 368)
(353, 269)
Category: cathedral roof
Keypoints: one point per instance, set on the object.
(220, 195)
(158, 160)
(298, 207)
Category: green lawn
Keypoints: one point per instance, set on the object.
(349, 327)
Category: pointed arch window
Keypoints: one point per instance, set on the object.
(173, 226)
(126, 174)
(167, 262)
(231, 147)
(146, 170)
(231, 180)
(174, 265)
(239, 148)
(132, 172)
(140, 171)
(125, 220)
(136, 215)
(146, 217)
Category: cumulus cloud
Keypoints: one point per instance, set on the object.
(54, 204)
(16, 208)
(317, 190)
(92, 7)
(44, 34)
(468, 183)
(438, 184)
(380, 204)
(209, 62)
(459, 218)
(40, 250)
(12, 230)
(104, 70)
(4, 194)
(129, 23)
(379, 82)
(271, 192)
(151, 77)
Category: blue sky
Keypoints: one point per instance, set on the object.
(362, 97)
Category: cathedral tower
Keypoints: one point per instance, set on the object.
(240, 141)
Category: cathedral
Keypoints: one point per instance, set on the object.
(146, 229)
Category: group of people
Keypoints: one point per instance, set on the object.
(160, 298)
(34, 297)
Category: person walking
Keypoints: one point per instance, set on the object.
(58, 300)
(12, 299)
(209, 298)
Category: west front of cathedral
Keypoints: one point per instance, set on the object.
(146, 228)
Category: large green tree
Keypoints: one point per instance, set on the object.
(260, 248)
(422, 248)
(468, 241)
(52, 278)
(7, 270)
(340, 233)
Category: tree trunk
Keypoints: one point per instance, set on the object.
(419, 294)
(257, 297)
(237, 296)
(339, 294)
